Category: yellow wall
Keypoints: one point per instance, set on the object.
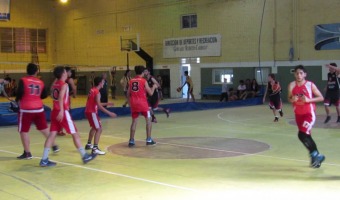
(30, 14)
(87, 32)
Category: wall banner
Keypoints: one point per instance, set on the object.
(327, 36)
(196, 46)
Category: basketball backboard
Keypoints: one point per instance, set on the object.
(129, 42)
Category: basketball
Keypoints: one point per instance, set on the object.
(179, 89)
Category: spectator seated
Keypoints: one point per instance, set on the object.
(214, 90)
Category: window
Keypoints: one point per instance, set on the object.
(261, 75)
(220, 74)
(189, 21)
(22, 40)
(191, 60)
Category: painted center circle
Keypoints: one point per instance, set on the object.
(191, 148)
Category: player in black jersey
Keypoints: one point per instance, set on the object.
(332, 91)
(273, 90)
(154, 99)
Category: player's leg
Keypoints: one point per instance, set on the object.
(337, 107)
(24, 122)
(308, 142)
(77, 143)
(96, 149)
(41, 124)
(25, 140)
(68, 124)
(149, 140)
(90, 118)
(89, 145)
(192, 94)
(328, 117)
(133, 126)
(305, 123)
(327, 103)
(45, 162)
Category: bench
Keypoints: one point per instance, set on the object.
(211, 91)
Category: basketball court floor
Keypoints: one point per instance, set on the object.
(231, 153)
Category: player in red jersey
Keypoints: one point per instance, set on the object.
(91, 112)
(31, 91)
(303, 94)
(61, 118)
(72, 90)
(138, 87)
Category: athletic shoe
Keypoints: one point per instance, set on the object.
(154, 120)
(276, 119)
(61, 133)
(98, 151)
(88, 157)
(317, 160)
(25, 155)
(338, 121)
(167, 112)
(327, 119)
(131, 144)
(47, 163)
(150, 142)
(281, 113)
(88, 146)
(55, 149)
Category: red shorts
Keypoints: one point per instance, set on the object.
(94, 120)
(25, 120)
(305, 122)
(135, 115)
(66, 123)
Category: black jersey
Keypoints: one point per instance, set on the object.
(151, 83)
(332, 82)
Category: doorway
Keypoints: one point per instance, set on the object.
(184, 67)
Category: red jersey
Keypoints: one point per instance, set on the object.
(300, 107)
(91, 104)
(138, 101)
(32, 91)
(56, 88)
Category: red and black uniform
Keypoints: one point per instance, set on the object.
(274, 91)
(154, 99)
(31, 91)
(332, 92)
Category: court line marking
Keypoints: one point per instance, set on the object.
(28, 183)
(247, 154)
(118, 174)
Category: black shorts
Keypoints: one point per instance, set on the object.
(153, 100)
(331, 97)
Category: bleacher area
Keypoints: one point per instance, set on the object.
(216, 90)
(211, 91)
